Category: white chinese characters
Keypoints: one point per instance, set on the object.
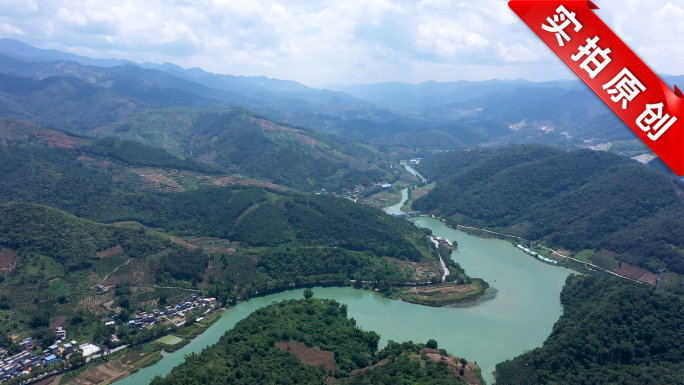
(625, 87)
(653, 113)
(592, 51)
(565, 18)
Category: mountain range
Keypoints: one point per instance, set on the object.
(72, 90)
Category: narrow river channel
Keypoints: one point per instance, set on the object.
(517, 315)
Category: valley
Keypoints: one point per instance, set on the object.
(516, 315)
(162, 225)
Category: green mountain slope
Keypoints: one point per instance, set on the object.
(287, 155)
(266, 347)
(611, 332)
(256, 147)
(576, 200)
(69, 241)
(255, 217)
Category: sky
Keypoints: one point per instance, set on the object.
(334, 42)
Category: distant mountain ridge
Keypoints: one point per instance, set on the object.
(20, 50)
(249, 85)
(391, 116)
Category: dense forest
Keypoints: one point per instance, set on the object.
(576, 200)
(612, 331)
(68, 240)
(297, 238)
(254, 216)
(266, 347)
(184, 265)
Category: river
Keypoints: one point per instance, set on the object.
(517, 314)
(413, 171)
(396, 209)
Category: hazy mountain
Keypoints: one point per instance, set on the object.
(254, 86)
(324, 110)
(396, 115)
(17, 49)
(432, 93)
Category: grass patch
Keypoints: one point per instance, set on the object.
(106, 265)
(170, 340)
(58, 288)
(584, 255)
(605, 259)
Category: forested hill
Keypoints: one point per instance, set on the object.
(577, 200)
(313, 342)
(69, 242)
(293, 156)
(207, 141)
(254, 216)
(612, 331)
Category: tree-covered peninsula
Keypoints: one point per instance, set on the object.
(312, 341)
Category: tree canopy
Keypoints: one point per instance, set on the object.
(612, 331)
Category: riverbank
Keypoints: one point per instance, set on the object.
(581, 266)
(113, 367)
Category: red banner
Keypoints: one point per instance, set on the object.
(617, 75)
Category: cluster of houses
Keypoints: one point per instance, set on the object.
(352, 195)
(182, 309)
(25, 362)
(538, 256)
(415, 161)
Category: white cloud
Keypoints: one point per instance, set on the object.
(527, 52)
(652, 28)
(11, 30)
(333, 41)
(444, 38)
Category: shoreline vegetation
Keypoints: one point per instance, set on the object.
(426, 289)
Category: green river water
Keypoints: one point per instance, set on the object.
(517, 314)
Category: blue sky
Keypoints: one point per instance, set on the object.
(333, 42)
